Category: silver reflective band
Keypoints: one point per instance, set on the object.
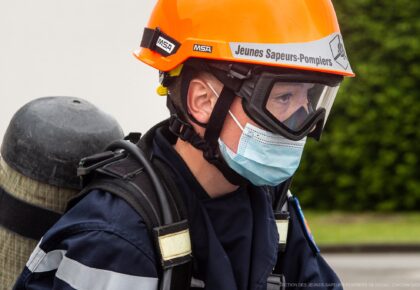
(39, 261)
(325, 53)
(80, 276)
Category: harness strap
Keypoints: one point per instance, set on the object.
(128, 178)
(14, 215)
(135, 196)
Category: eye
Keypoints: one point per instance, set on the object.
(283, 99)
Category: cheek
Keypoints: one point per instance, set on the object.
(231, 134)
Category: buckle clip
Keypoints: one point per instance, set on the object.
(239, 72)
(282, 223)
(180, 128)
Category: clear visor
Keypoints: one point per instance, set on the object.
(294, 104)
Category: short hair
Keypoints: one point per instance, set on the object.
(174, 94)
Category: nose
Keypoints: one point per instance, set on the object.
(302, 100)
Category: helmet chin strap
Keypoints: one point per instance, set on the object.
(230, 112)
(209, 144)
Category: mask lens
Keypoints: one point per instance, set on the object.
(293, 103)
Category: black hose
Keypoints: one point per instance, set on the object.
(140, 156)
(137, 153)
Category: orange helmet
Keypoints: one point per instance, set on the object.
(298, 34)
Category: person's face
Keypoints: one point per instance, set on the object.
(286, 98)
(283, 101)
(231, 133)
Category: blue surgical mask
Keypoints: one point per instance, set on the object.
(262, 157)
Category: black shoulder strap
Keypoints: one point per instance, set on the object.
(124, 177)
(174, 193)
(182, 274)
(137, 197)
(127, 177)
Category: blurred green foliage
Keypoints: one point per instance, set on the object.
(339, 228)
(368, 158)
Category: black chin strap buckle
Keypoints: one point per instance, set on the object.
(181, 128)
(186, 132)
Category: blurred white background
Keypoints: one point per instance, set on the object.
(78, 48)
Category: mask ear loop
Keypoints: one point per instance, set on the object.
(236, 121)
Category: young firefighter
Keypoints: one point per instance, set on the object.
(247, 83)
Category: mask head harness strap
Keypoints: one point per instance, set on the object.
(231, 76)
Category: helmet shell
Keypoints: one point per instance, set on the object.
(48, 136)
(299, 34)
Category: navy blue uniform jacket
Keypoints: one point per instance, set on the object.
(102, 243)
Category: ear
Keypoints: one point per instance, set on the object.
(200, 100)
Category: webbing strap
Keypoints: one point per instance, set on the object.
(25, 219)
(212, 134)
(209, 144)
(276, 282)
(132, 194)
(129, 181)
(182, 270)
(218, 116)
(174, 196)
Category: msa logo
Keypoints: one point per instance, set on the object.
(203, 48)
(165, 44)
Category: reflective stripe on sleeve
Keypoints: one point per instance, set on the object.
(39, 261)
(80, 276)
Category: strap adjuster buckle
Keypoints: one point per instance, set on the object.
(180, 128)
(239, 72)
(282, 223)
